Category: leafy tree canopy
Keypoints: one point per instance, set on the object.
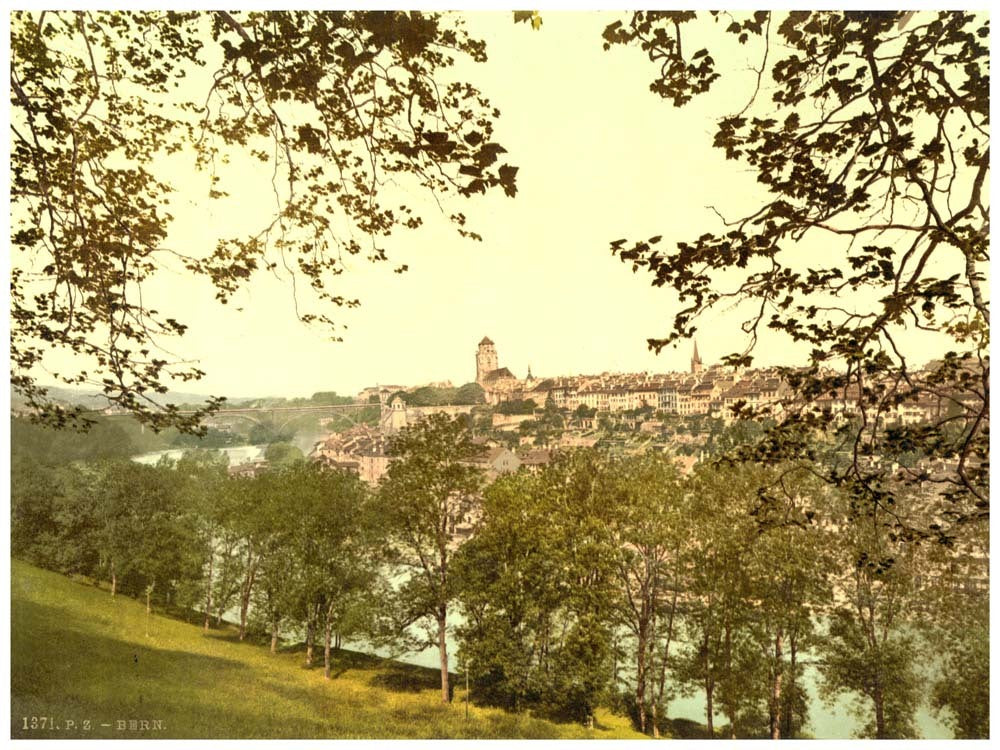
(336, 104)
(869, 132)
(282, 454)
(330, 397)
(517, 406)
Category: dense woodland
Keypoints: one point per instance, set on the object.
(599, 580)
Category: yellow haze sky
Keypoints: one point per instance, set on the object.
(600, 158)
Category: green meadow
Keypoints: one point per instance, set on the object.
(86, 665)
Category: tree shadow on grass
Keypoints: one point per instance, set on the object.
(685, 729)
(229, 633)
(341, 659)
(408, 678)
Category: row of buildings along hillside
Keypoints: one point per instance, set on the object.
(702, 390)
(712, 390)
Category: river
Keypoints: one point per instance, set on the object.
(238, 454)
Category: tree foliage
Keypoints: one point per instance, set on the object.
(871, 648)
(869, 133)
(535, 585)
(427, 494)
(335, 104)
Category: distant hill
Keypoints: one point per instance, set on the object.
(91, 398)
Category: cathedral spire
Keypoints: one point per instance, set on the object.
(695, 359)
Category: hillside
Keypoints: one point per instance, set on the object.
(79, 656)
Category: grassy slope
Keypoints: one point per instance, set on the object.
(77, 654)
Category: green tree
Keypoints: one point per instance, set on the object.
(333, 103)
(427, 396)
(869, 132)
(35, 491)
(549, 426)
(517, 406)
(253, 517)
(955, 625)
(648, 530)
(470, 393)
(871, 647)
(427, 493)
(147, 540)
(319, 563)
(716, 585)
(282, 454)
(268, 431)
(202, 475)
(330, 398)
(508, 582)
(789, 581)
(106, 439)
(962, 693)
(222, 514)
(536, 584)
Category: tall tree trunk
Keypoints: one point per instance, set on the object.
(878, 694)
(246, 590)
(442, 623)
(309, 642)
(878, 698)
(655, 718)
(709, 707)
(149, 593)
(244, 609)
(709, 689)
(208, 588)
(326, 650)
(663, 666)
(788, 715)
(776, 687)
(729, 707)
(640, 677)
(274, 635)
(114, 580)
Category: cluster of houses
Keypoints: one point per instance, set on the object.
(363, 450)
(713, 390)
(703, 390)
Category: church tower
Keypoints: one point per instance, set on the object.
(486, 360)
(393, 416)
(695, 360)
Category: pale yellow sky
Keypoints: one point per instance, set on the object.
(600, 158)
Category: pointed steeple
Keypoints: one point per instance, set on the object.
(695, 359)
